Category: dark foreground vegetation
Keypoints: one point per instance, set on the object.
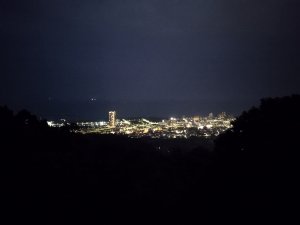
(54, 176)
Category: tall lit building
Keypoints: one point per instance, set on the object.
(112, 118)
(196, 119)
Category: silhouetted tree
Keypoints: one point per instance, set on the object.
(265, 137)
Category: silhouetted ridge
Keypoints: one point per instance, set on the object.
(270, 129)
(258, 158)
(54, 176)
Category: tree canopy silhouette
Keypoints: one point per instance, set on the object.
(264, 136)
(66, 173)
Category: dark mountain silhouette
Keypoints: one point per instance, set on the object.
(264, 134)
(258, 157)
(54, 176)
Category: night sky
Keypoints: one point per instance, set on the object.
(146, 57)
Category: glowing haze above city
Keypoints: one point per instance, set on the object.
(146, 58)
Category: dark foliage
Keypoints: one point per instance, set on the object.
(260, 154)
(54, 176)
(270, 131)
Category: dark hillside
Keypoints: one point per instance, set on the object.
(54, 176)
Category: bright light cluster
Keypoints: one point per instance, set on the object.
(184, 127)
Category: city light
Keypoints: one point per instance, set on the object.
(112, 118)
(184, 127)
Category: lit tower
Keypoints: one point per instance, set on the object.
(196, 119)
(112, 118)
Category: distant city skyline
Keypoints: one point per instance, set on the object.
(173, 127)
(94, 111)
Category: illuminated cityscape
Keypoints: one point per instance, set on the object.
(184, 127)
